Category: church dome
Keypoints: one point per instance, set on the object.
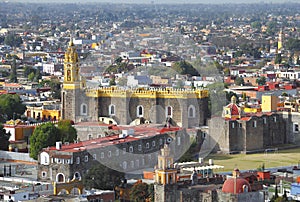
(232, 110)
(236, 185)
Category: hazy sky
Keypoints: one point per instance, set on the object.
(156, 1)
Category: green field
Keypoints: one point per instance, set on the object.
(253, 161)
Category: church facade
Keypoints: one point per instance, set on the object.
(184, 108)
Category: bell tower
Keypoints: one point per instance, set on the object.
(71, 68)
(71, 83)
(165, 185)
(280, 41)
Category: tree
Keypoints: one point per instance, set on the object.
(102, 177)
(261, 81)
(43, 136)
(13, 72)
(37, 75)
(112, 82)
(31, 76)
(256, 25)
(55, 86)
(4, 137)
(118, 60)
(13, 40)
(227, 72)
(239, 81)
(184, 67)
(141, 191)
(28, 70)
(292, 44)
(10, 105)
(278, 59)
(67, 132)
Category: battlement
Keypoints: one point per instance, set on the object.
(147, 93)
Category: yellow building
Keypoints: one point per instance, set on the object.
(20, 134)
(269, 103)
(45, 112)
(252, 109)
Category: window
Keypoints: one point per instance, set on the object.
(178, 141)
(147, 145)
(232, 125)
(240, 125)
(86, 158)
(137, 163)
(109, 154)
(78, 160)
(77, 175)
(265, 120)
(90, 136)
(83, 109)
(169, 111)
(296, 128)
(254, 124)
(45, 158)
(124, 165)
(140, 111)
(153, 143)
(131, 149)
(102, 155)
(140, 147)
(191, 111)
(94, 157)
(143, 161)
(160, 141)
(132, 164)
(44, 174)
(124, 150)
(112, 109)
(117, 152)
(275, 119)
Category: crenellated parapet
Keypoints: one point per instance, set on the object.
(147, 93)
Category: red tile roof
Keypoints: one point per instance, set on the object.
(140, 132)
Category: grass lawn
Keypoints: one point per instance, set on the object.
(253, 161)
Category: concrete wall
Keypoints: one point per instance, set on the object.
(5, 155)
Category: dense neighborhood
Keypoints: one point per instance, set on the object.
(130, 102)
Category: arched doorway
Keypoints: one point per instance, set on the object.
(60, 177)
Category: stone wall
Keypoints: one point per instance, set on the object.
(251, 134)
(154, 108)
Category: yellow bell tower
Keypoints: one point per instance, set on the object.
(165, 172)
(71, 68)
(280, 41)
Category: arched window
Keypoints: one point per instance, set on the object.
(124, 165)
(191, 111)
(112, 109)
(83, 109)
(77, 175)
(60, 177)
(140, 111)
(169, 111)
(45, 159)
